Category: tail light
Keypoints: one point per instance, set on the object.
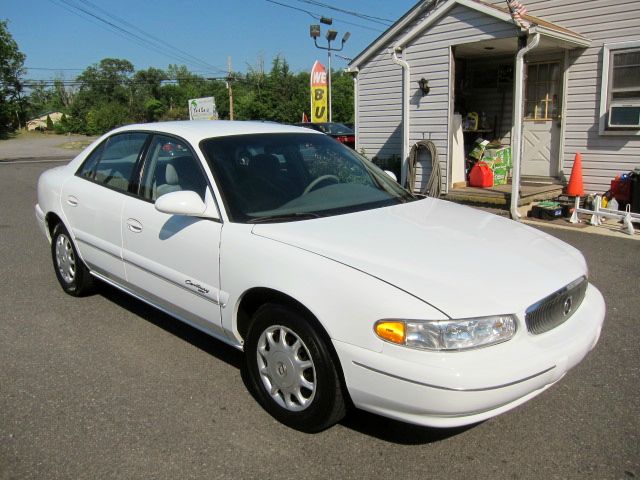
(346, 138)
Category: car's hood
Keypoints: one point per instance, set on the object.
(460, 260)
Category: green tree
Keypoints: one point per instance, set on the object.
(279, 96)
(342, 97)
(39, 99)
(146, 106)
(11, 71)
(49, 123)
(106, 88)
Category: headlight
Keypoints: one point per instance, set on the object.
(447, 334)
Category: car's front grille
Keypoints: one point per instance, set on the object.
(555, 309)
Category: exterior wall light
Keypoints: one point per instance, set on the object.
(423, 83)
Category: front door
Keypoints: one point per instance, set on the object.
(173, 260)
(541, 126)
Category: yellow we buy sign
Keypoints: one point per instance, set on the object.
(319, 110)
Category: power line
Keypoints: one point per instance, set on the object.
(371, 18)
(53, 69)
(317, 16)
(154, 38)
(159, 46)
(136, 38)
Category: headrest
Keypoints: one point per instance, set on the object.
(171, 175)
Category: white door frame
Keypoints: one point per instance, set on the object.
(562, 58)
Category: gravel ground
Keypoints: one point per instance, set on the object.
(107, 387)
(40, 146)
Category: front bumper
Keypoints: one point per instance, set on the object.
(449, 389)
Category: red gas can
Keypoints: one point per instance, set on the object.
(481, 176)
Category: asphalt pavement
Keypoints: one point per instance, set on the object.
(107, 387)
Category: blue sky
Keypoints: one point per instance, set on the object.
(55, 35)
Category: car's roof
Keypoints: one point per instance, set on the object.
(196, 130)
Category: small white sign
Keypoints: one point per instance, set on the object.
(203, 109)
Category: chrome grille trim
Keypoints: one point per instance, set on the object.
(557, 308)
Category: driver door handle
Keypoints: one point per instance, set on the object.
(134, 225)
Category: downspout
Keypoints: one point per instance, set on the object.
(517, 123)
(356, 103)
(406, 77)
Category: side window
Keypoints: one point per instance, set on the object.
(620, 91)
(88, 168)
(115, 166)
(171, 167)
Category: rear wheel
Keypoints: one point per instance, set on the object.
(71, 272)
(291, 371)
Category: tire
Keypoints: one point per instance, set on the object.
(290, 370)
(71, 272)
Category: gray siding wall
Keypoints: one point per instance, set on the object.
(601, 21)
(380, 103)
(380, 86)
(380, 107)
(428, 55)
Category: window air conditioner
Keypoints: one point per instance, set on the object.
(624, 115)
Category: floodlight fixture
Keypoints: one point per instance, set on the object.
(346, 37)
(331, 35)
(314, 31)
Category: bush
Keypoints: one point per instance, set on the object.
(106, 117)
(49, 123)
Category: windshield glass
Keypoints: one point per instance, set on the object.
(294, 176)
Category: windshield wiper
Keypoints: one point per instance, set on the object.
(284, 217)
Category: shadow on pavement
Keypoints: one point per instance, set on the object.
(195, 337)
(370, 424)
(394, 431)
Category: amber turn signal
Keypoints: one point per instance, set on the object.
(392, 331)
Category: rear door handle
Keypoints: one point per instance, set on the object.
(72, 200)
(134, 225)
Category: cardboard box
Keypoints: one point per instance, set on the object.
(500, 154)
(499, 159)
(478, 149)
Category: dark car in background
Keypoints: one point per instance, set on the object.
(339, 131)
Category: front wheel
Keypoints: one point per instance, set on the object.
(71, 272)
(290, 370)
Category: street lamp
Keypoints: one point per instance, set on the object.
(314, 32)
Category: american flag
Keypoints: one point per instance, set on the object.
(517, 11)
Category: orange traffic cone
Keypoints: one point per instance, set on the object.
(575, 188)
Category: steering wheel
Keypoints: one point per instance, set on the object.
(321, 178)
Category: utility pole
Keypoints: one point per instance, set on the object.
(229, 86)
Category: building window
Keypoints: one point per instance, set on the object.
(620, 95)
(543, 95)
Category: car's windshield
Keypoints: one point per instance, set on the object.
(293, 176)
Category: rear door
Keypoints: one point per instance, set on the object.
(93, 199)
(173, 260)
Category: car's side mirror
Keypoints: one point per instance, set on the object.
(185, 202)
(392, 175)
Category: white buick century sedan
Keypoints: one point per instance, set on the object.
(341, 287)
